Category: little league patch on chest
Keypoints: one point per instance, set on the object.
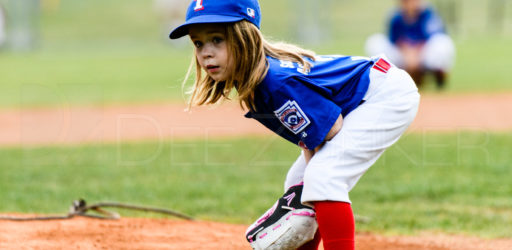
(292, 117)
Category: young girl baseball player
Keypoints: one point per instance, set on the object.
(342, 111)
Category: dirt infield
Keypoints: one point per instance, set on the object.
(75, 125)
(129, 233)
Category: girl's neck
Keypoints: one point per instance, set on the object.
(410, 16)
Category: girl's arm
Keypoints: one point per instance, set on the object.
(308, 153)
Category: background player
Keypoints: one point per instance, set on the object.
(342, 111)
(416, 41)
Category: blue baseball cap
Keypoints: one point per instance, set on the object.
(219, 11)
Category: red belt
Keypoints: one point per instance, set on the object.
(382, 66)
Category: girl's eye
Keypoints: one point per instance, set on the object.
(198, 44)
(217, 40)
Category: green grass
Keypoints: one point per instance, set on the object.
(112, 51)
(456, 183)
(90, 78)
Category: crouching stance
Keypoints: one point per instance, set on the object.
(343, 111)
(416, 41)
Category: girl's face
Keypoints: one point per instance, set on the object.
(411, 7)
(211, 50)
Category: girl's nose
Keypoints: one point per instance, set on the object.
(207, 51)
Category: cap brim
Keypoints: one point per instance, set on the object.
(182, 30)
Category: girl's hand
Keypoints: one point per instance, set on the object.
(412, 57)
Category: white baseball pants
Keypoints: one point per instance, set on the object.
(438, 52)
(390, 106)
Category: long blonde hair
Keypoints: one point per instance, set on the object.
(248, 48)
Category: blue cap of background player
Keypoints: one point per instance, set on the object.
(219, 11)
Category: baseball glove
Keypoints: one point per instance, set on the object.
(287, 225)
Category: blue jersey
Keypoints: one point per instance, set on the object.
(303, 106)
(427, 24)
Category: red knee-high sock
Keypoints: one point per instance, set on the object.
(336, 225)
(313, 244)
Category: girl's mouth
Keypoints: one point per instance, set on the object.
(212, 68)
